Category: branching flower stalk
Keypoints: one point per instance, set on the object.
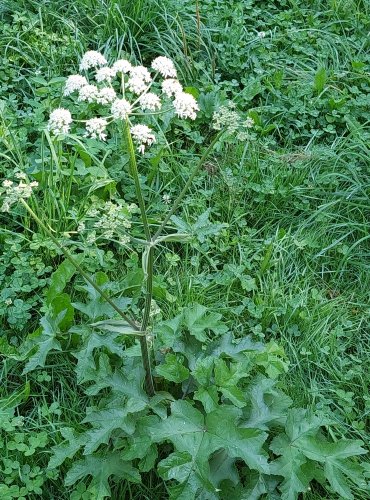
(141, 96)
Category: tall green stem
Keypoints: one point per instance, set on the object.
(135, 176)
(149, 271)
(187, 185)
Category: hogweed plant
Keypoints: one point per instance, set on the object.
(216, 398)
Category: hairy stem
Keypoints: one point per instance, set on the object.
(149, 271)
(186, 187)
(135, 176)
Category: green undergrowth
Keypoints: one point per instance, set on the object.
(277, 262)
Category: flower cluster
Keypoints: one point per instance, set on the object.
(60, 121)
(14, 192)
(226, 117)
(126, 92)
(107, 220)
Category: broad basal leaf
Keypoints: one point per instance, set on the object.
(289, 465)
(105, 421)
(85, 355)
(101, 468)
(173, 369)
(197, 437)
(73, 442)
(46, 342)
(335, 457)
(199, 320)
(267, 404)
(60, 277)
(304, 445)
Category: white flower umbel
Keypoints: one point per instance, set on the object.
(150, 101)
(141, 72)
(60, 121)
(249, 122)
(106, 95)
(122, 66)
(105, 74)
(136, 85)
(92, 59)
(164, 66)
(143, 136)
(88, 93)
(261, 34)
(13, 193)
(96, 128)
(121, 109)
(74, 82)
(185, 105)
(171, 87)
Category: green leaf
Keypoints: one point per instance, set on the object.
(175, 237)
(86, 365)
(201, 228)
(177, 466)
(303, 445)
(289, 465)
(62, 303)
(267, 404)
(61, 277)
(334, 456)
(96, 307)
(272, 359)
(227, 377)
(320, 80)
(107, 420)
(45, 342)
(101, 468)
(208, 397)
(68, 449)
(173, 369)
(168, 331)
(117, 326)
(197, 436)
(198, 321)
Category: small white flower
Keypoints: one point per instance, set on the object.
(104, 74)
(60, 121)
(96, 128)
(164, 66)
(124, 240)
(8, 302)
(88, 93)
(20, 175)
(141, 72)
(171, 87)
(137, 85)
(81, 227)
(106, 95)
(143, 136)
(7, 183)
(261, 34)
(150, 101)
(121, 109)
(92, 59)
(249, 122)
(185, 105)
(122, 66)
(74, 82)
(166, 198)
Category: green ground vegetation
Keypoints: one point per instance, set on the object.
(280, 246)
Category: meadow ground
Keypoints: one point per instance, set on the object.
(280, 220)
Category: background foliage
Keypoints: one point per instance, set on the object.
(280, 247)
